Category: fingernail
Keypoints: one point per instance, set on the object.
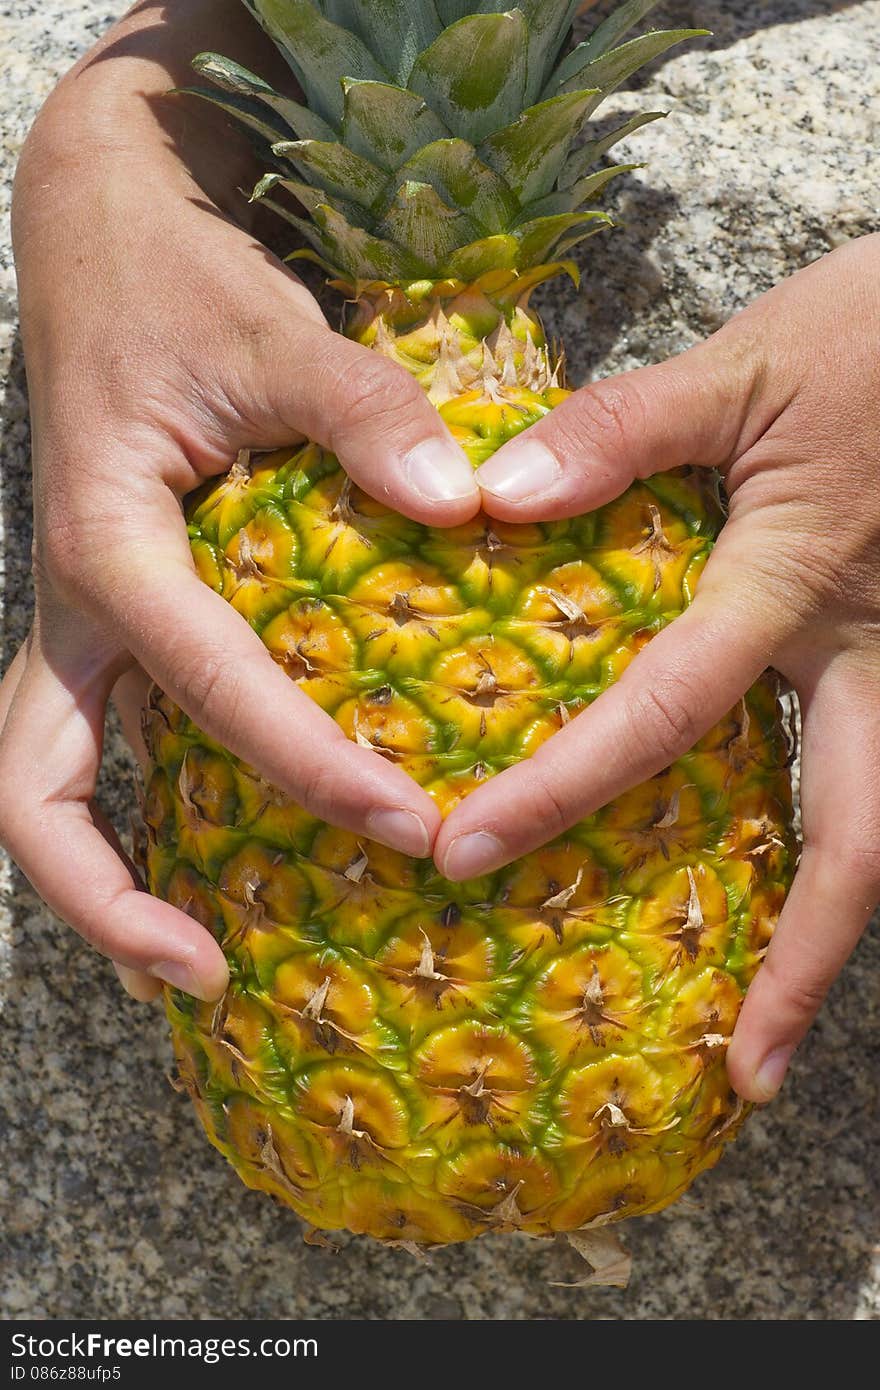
(174, 972)
(439, 472)
(470, 855)
(521, 471)
(771, 1073)
(135, 984)
(400, 830)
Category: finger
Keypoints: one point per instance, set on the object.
(377, 419)
(692, 409)
(141, 986)
(129, 700)
(687, 679)
(205, 656)
(50, 752)
(836, 888)
(128, 695)
(11, 679)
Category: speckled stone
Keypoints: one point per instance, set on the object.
(111, 1202)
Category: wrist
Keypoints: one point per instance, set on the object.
(152, 46)
(116, 101)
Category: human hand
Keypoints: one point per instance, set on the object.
(161, 338)
(784, 401)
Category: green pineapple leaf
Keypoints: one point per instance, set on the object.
(546, 16)
(310, 197)
(583, 235)
(395, 31)
(335, 169)
(474, 74)
(539, 239)
(490, 253)
(231, 77)
(463, 181)
(363, 256)
(305, 228)
(549, 22)
(474, 163)
(593, 184)
(248, 113)
(387, 124)
(450, 11)
(610, 69)
(320, 53)
(420, 222)
(530, 153)
(609, 33)
(586, 155)
(573, 198)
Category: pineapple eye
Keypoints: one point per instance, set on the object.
(542, 1048)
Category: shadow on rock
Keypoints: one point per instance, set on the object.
(728, 23)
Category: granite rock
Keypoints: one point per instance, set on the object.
(111, 1202)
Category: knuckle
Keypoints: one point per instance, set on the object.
(662, 717)
(548, 809)
(376, 396)
(809, 580)
(610, 413)
(803, 995)
(318, 791)
(208, 688)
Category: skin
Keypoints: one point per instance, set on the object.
(139, 392)
(159, 337)
(783, 401)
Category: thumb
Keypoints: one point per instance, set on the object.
(692, 409)
(370, 412)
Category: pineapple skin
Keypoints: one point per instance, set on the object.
(540, 1049)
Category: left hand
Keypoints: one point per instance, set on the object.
(785, 401)
(140, 393)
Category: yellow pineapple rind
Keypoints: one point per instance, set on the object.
(538, 1050)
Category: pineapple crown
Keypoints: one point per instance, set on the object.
(440, 139)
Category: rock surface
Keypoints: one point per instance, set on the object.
(111, 1202)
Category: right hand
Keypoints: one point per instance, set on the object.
(160, 339)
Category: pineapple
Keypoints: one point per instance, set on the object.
(543, 1049)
